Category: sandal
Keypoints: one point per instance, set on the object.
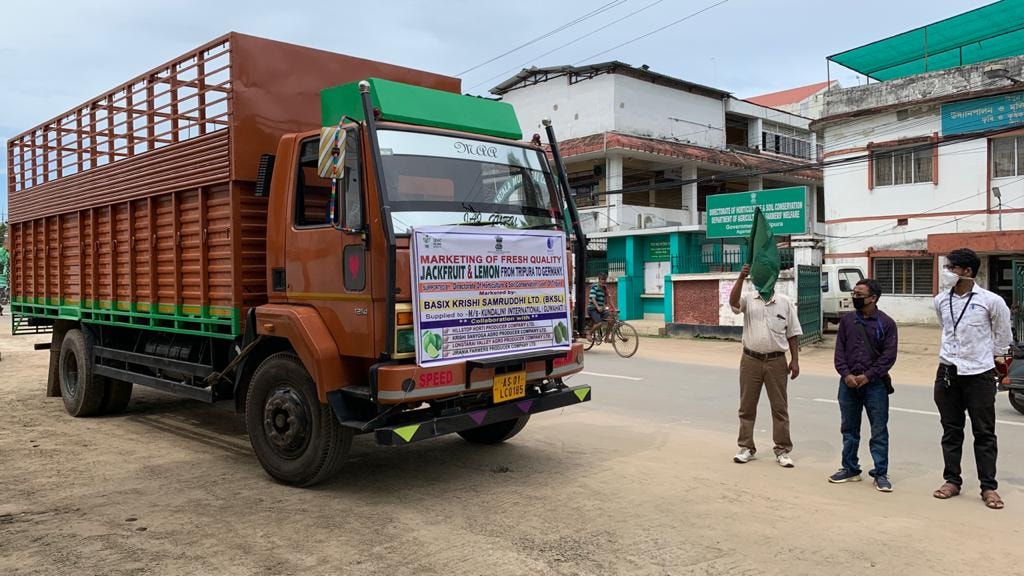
(947, 491)
(992, 499)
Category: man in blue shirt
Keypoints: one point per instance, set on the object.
(865, 352)
(598, 309)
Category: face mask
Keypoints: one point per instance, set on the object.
(859, 302)
(947, 279)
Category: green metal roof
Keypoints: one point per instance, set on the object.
(422, 107)
(987, 33)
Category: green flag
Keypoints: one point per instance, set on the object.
(763, 256)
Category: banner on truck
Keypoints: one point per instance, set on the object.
(485, 292)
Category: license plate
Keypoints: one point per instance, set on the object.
(509, 386)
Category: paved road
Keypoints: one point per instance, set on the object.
(706, 398)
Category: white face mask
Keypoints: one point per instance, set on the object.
(947, 279)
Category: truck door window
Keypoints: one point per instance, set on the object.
(848, 278)
(824, 282)
(313, 193)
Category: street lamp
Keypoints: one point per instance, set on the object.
(999, 197)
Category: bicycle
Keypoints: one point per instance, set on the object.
(625, 338)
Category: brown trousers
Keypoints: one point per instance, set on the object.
(774, 375)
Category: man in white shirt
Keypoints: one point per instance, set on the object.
(975, 334)
(769, 329)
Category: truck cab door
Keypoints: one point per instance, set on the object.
(327, 268)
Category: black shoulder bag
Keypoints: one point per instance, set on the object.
(874, 356)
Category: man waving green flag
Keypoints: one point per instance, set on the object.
(770, 326)
(763, 256)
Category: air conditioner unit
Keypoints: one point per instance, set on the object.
(644, 220)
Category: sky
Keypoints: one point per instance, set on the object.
(56, 55)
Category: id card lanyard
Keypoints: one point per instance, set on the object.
(964, 309)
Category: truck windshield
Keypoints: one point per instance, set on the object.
(434, 179)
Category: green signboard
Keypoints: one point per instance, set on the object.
(658, 249)
(732, 215)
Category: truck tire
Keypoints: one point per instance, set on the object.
(81, 390)
(116, 396)
(295, 437)
(1017, 400)
(495, 433)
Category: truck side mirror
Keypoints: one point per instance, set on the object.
(339, 161)
(331, 163)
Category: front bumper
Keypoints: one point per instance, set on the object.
(400, 383)
(426, 428)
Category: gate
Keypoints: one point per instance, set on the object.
(1017, 317)
(808, 302)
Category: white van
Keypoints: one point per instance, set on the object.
(837, 282)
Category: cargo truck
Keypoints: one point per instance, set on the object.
(340, 246)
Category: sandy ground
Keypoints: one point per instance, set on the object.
(171, 487)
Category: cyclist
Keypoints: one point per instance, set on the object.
(598, 308)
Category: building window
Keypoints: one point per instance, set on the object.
(905, 276)
(1008, 157)
(584, 191)
(902, 167)
(786, 145)
(819, 201)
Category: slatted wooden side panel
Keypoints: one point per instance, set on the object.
(51, 258)
(189, 246)
(70, 260)
(166, 250)
(39, 260)
(142, 253)
(221, 282)
(89, 271)
(104, 257)
(251, 246)
(19, 274)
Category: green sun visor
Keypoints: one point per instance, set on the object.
(987, 33)
(419, 106)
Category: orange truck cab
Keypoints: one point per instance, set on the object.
(403, 269)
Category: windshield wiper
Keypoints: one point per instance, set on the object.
(549, 225)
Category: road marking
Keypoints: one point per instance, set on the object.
(912, 411)
(633, 378)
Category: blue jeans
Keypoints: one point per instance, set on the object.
(872, 398)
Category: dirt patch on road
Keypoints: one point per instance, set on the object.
(171, 487)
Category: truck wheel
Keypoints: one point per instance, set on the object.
(495, 433)
(116, 396)
(296, 438)
(81, 390)
(1017, 400)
